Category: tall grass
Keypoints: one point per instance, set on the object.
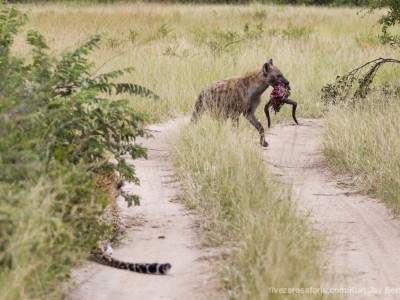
(242, 206)
(178, 49)
(364, 142)
(46, 226)
(52, 148)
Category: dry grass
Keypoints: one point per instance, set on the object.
(364, 142)
(243, 207)
(178, 49)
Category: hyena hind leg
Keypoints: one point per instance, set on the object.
(198, 110)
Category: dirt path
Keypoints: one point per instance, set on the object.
(362, 255)
(363, 238)
(160, 230)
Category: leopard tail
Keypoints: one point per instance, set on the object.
(155, 268)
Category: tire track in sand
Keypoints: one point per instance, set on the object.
(363, 237)
(161, 230)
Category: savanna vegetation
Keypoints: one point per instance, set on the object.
(176, 50)
(290, 2)
(244, 208)
(58, 132)
(362, 125)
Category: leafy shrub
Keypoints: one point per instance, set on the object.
(58, 129)
(260, 14)
(132, 36)
(253, 33)
(388, 20)
(223, 41)
(296, 31)
(357, 84)
(368, 38)
(114, 42)
(163, 31)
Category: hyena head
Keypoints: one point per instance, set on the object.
(272, 75)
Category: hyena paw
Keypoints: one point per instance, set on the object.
(263, 142)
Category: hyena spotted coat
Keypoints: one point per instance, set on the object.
(230, 97)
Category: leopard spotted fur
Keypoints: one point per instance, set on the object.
(110, 183)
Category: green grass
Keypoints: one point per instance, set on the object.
(46, 226)
(243, 207)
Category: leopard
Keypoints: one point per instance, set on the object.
(111, 184)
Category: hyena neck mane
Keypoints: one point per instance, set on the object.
(254, 82)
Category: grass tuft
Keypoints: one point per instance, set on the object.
(364, 142)
(242, 206)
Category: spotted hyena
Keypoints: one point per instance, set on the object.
(230, 97)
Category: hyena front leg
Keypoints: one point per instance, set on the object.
(253, 120)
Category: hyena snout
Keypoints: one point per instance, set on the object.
(285, 81)
(281, 79)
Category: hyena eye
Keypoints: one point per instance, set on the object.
(279, 76)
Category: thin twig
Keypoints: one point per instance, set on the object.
(108, 60)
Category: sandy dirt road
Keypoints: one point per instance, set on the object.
(362, 254)
(363, 238)
(161, 230)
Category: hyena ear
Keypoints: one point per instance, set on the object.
(270, 62)
(266, 68)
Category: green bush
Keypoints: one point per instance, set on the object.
(58, 130)
(293, 31)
